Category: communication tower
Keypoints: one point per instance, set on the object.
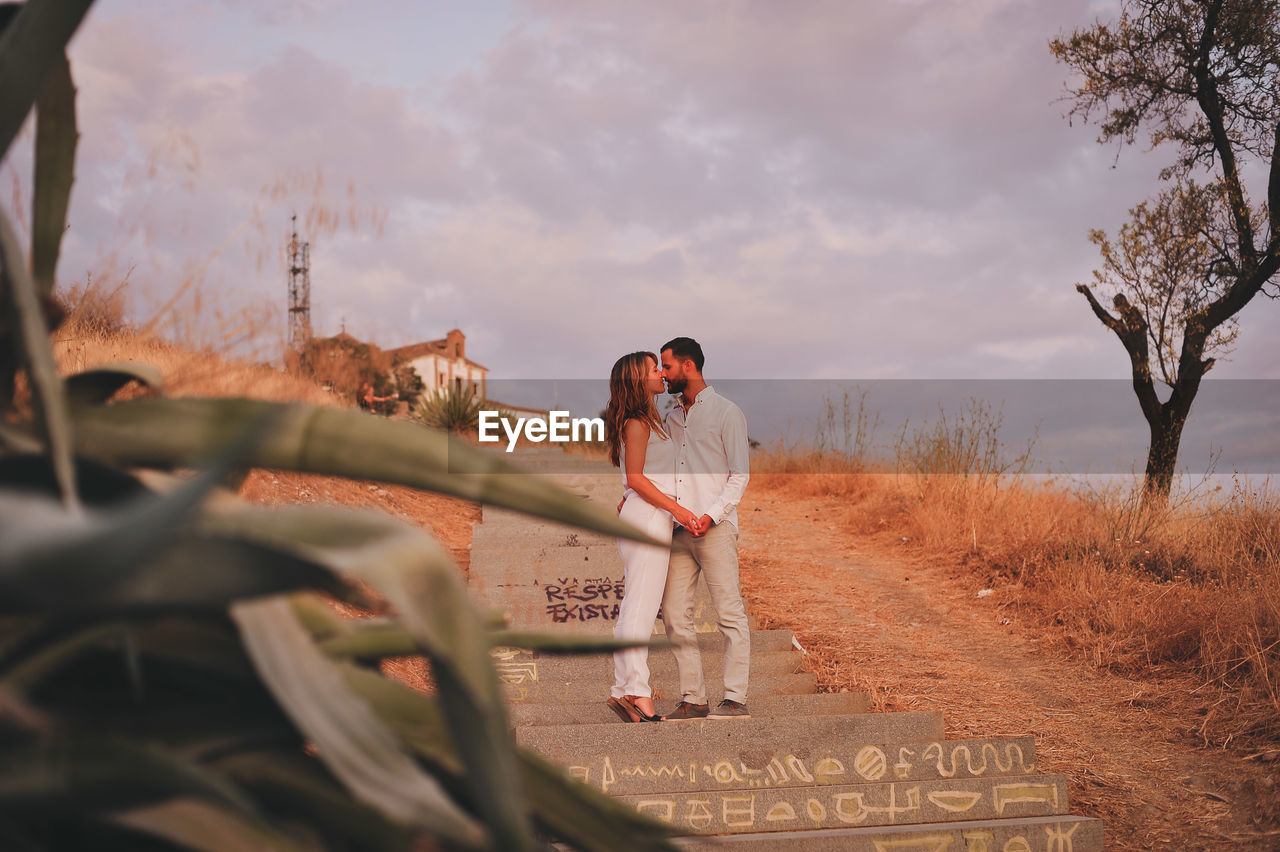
(299, 291)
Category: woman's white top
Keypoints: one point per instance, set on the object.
(659, 462)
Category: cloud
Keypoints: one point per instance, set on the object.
(840, 190)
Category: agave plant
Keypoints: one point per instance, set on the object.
(452, 409)
(170, 674)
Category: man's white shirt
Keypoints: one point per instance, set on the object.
(712, 467)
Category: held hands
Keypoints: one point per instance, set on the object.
(695, 525)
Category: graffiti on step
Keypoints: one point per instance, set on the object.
(583, 598)
(892, 803)
(935, 761)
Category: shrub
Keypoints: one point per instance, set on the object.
(452, 410)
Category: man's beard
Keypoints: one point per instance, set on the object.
(676, 386)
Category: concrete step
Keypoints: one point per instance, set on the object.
(662, 667)
(534, 535)
(762, 641)
(585, 745)
(808, 765)
(1051, 834)
(520, 688)
(553, 552)
(532, 610)
(870, 804)
(584, 581)
(506, 519)
(554, 555)
(766, 706)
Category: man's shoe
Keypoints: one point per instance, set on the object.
(730, 710)
(685, 710)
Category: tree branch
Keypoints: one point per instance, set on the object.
(1273, 188)
(1131, 328)
(1099, 311)
(1211, 106)
(1133, 334)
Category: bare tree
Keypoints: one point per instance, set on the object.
(1204, 76)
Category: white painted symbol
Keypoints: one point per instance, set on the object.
(662, 809)
(781, 812)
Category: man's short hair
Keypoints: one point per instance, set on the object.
(685, 349)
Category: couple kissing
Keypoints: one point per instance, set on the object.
(683, 478)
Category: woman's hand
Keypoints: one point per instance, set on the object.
(685, 518)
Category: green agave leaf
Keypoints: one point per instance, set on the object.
(30, 48)
(96, 386)
(372, 642)
(585, 817)
(14, 839)
(318, 617)
(196, 824)
(350, 739)
(417, 577)
(98, 483)
(374, 639)
(139, 555)
(16, 440)
(32, 668)
(24, 304)
(434, 607)
(192, 572)
(105, 773)
(56, 137)
(416, 718)
(292, 785)
(335, 442)
(551, 643)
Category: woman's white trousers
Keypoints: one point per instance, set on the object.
(646, 577)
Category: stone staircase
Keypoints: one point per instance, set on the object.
(808, 771)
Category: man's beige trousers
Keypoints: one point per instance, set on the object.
(713, 556)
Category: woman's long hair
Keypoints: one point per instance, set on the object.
(627, 399)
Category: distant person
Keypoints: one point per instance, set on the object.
(639, 445)
(366, 399)
(709, 434)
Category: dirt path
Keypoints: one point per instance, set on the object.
(918, 637)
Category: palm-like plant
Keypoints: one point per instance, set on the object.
(169, 675)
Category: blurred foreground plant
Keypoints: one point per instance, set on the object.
(169, 676)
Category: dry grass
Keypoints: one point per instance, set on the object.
(94, 335)
(1189, 590)
(883, 616)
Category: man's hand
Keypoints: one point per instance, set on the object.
(704, 524)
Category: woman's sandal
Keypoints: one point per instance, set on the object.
(630, 701)
(623, 709)
(628, 712)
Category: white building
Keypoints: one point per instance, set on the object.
(444, 364)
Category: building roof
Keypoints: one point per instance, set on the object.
(414, 351)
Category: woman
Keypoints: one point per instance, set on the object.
(366, 398)
(638, 444)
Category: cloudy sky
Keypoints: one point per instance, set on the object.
(825, 189)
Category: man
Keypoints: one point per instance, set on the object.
(710, 435)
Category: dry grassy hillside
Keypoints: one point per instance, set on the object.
(1184, 590)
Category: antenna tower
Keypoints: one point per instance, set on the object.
(299, 291)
